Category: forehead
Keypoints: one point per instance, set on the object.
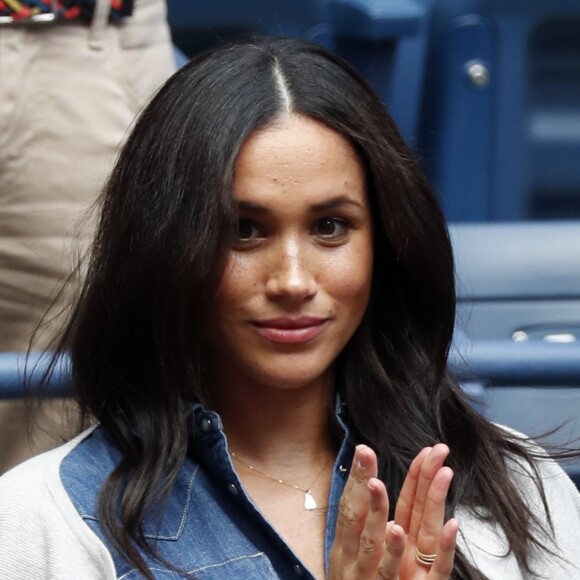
(297, 152)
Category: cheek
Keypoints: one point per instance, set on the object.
(238, 282)
(236, 279)
(356, 285)
(349, 280)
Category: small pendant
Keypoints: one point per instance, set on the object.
(309, 503)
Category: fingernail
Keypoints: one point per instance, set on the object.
(362, 460)
(396, 540)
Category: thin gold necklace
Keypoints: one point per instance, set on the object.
(309, 501)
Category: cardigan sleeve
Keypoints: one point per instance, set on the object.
(563, 500)
(42, 536)
(486, 546)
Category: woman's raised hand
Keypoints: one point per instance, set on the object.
(367, 546)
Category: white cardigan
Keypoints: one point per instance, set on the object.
(43, 537)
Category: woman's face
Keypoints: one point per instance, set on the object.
(299, 271)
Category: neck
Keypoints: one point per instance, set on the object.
(277, 428)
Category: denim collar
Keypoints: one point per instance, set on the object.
(207, 452)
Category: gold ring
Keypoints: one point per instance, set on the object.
(425, 559)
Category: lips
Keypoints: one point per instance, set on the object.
(290, 330)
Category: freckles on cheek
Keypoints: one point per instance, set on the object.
(239, 284)
(349, 279)
(234, 273)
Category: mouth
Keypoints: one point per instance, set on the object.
(290, 330)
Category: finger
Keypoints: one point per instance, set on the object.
(434, 514)
(431, 465)
(372, 540)
(393, 556)
(443, 565)
(355, 502)
(404, 507)
(390, 525)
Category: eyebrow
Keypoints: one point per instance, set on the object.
(332, 203)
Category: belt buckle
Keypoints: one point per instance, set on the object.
(42, 18)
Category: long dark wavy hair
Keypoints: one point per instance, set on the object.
(135, 336)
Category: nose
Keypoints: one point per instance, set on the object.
(291, 275)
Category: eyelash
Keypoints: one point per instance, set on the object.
(343, 224)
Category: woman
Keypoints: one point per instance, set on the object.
(271, 285)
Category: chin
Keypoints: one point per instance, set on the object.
(293, 376)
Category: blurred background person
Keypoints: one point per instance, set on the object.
(73, 75)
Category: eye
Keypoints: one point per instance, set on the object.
(331, 227)
(248, 231)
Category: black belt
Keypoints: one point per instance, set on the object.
(49, 11)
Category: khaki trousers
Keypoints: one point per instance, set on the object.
(68, 94)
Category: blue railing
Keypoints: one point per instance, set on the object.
(20, 374)
(491, 362)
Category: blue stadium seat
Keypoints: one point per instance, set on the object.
(487, 91)
(500, 129)
(517, 344)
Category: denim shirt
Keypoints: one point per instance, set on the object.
(209, 528)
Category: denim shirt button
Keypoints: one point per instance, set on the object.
(205, 425)
(342, 470)
(298, 570)
(233, 489)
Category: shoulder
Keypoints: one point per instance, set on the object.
(557, 505)
(36, 513)
(556, 502)
(35, 481)
(556, 484)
